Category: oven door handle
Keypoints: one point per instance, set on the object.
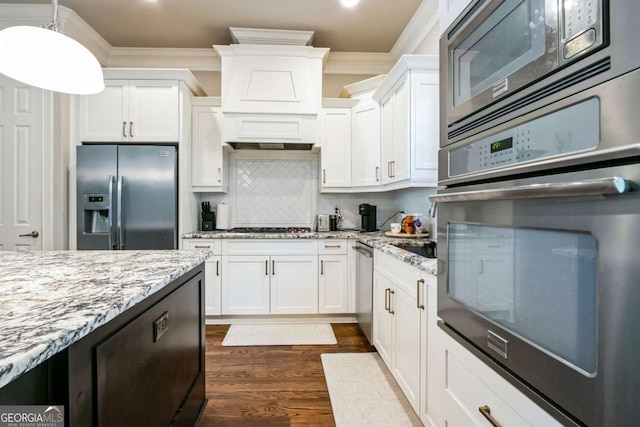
(589, 187)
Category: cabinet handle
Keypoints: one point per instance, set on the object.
(201, 247)
(377, 173)
(321, 267)
(389, 169)
(393, 169)
(418, 298)
(217, 268)
(390, 310)
(486, 412)
(266, 267)
(131, 129)
(273, 268)
(386, 299)
(219, 175)
(124, 129)
(331, 246)
(324, 176)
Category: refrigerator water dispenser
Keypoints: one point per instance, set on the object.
(96, 213)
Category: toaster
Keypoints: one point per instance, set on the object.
(323, 223)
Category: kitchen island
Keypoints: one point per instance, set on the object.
(75, 326)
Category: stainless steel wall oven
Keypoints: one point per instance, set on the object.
(539, 215)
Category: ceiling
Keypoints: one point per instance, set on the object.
(372, 26)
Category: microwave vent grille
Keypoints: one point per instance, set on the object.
(572, 79)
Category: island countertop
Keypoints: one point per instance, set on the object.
(49, 300)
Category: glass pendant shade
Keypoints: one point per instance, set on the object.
(49, 60)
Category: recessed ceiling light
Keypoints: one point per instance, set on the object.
(349, 3)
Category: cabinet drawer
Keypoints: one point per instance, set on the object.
(269, 247)
(471, 385)
(210, 244)
(400, 273)
(332, 247)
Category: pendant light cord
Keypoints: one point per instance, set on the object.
(54, 25)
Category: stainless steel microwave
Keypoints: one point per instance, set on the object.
(504, 58)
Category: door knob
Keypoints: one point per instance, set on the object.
(33, 234)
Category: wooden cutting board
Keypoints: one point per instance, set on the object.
(407, 236)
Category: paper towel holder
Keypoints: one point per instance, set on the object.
(222, 217)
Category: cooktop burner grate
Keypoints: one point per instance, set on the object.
(271, 230)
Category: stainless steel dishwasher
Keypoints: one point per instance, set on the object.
(364, 288)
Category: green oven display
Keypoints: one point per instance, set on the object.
(505, 144)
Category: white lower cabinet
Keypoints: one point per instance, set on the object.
(294, 284)
(333, 278)
(399, 323)
(212, 273)
(245, 284)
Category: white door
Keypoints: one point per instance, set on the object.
(382, 317)
(294, 284)
(21, 137)
(333, 292)
(213, 284)
(336, 147)
(401, 134)
(245, 284)
(365, 145)
(386, 138)
(104, 117)
(154, 111)
(207, 155)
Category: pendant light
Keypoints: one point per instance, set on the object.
(46, 58)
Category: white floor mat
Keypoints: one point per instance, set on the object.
(279, 334)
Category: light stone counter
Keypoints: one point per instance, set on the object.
(49, 300)
(376, 239)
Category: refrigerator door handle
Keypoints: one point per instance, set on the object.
(119, 218)
(111, 213)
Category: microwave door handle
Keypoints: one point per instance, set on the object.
(589, 187)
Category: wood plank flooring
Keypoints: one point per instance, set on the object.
(271, 386)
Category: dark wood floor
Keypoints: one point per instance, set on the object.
(271, 386)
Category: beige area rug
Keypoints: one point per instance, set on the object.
(279, 334)
(364, 394)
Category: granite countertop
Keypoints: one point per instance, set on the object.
(377, 240)
(49, 300)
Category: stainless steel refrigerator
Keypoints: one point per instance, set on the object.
(127, 197)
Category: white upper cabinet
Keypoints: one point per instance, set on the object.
(209, 161)
(335, 146)
(450, 10)
(132, 111)
(409, 117)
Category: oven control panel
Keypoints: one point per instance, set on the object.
(570, 130)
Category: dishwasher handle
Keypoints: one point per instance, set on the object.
(363, 252)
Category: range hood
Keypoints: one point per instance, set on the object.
(271, 89)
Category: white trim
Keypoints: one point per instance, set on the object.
(319, 318)
(184, 75)
(194, 59)
(358, 63)
(267, 36)
(422, 22)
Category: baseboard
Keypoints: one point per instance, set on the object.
(315, 318)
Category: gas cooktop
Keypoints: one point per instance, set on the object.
(271, 230)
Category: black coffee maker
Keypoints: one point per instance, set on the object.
(368, 214)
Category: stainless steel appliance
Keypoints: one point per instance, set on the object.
(368, 213)
(364, 288)
(502, 59)
(323, 223)
(538, 221)
(126, 197)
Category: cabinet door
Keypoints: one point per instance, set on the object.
(401, 135)
(154, 111)
(213, 286)
(294, 284)
(406, 350)
(104, 116)
(382, 318)
(245, 284)
(206, 148)
(365, 145)
(333, 292)
(386, 138)
(425, 125)
(336, 147)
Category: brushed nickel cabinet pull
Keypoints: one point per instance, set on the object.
(386, 299)
(219, 174)
(486, 412)
(324, 176)
(217, 268)
(377, 173)
(331, 246)
(321, 267)
(390, 310)
(131, 129)
(393, 169)
(202, 247)
(389, 169)
(266, 267)
(418, 298)
(124, 129)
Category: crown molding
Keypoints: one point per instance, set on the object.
(273, 37)
(423, 21)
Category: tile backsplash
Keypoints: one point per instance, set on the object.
(281, 188)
